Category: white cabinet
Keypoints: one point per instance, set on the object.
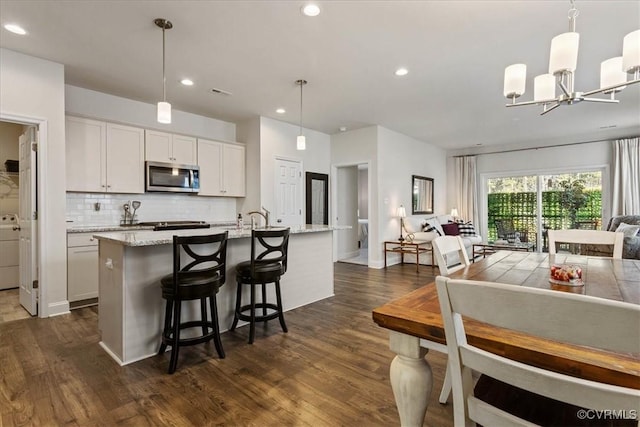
(85, 142)
(104, 157)
(82, 266)
(222, 169)
(170, 148)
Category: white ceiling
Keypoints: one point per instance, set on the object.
(455, 51)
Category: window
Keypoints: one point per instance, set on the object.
(531, 204)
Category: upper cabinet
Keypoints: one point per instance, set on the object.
(104, 157)
(222, 169)
(170, 148)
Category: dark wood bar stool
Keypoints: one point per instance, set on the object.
(190, 283)
(268, 263)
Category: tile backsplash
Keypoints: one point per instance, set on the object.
(81, 208)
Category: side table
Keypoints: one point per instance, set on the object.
(415, 247)
(485, 249)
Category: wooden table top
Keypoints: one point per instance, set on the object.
(418, 313)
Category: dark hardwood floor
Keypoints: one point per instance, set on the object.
(331, 369)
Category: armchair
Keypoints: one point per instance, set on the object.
(630, 247)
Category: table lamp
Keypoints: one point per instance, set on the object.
(454, 214)
(401, 213)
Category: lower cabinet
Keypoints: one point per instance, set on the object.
(82, 269)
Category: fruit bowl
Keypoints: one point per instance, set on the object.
(568, 275)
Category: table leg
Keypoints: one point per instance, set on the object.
(411, 378)
(417, 259)
(385, 255)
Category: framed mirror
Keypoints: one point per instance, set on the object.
(317, 198)
(421, 195)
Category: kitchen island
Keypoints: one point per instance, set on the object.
(131, 263)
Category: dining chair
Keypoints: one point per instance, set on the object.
(442, 246)
(585, 320)
(593, 237)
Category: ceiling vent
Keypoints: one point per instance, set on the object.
(220, 91)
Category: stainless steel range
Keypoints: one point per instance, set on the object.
(175, 225)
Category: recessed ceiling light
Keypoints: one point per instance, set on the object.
(281, 111)
(311, 9)
(342, 128)
(16, 29)
(402, 72)
(187, 82)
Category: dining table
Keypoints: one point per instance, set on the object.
(416, 316)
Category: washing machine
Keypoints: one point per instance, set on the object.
(9, 251)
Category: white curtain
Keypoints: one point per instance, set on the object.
(466, 188)
(626, 178)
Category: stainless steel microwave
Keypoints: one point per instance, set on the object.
(172, 178)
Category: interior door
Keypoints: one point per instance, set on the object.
(27, 221)
(288, 192)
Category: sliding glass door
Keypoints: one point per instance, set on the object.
(524, 207)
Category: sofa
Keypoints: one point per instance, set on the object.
(428, 228)
(631, 246)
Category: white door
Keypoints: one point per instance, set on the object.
(288, 193)
(27, 222)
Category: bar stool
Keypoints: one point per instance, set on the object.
(267, 266)
(187, 283)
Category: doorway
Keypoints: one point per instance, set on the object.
(18, 245)
(353, 211)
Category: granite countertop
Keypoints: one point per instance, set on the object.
(99, 228)
(148, 237)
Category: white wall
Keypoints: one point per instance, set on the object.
(278, 139)
(400, 157)
(102, 106)
(363, 193)
(567, 158)
(353, 148)
(33, 88)
(248, 132)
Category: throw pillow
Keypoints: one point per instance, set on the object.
(432, 224)
(428, 228)
(467, 229)
(451, 229)
(629, 230)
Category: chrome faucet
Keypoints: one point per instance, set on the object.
(265, 215)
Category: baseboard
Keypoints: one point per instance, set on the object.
(351, 254)
(58, 308)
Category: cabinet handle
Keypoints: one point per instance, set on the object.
(102, 186)
(86, 251)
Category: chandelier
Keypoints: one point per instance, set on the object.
(562, 67)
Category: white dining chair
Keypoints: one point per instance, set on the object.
(585, 320)
(593, 237)
(442, 247)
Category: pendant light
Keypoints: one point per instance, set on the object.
(164, 108)
(301, 141)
